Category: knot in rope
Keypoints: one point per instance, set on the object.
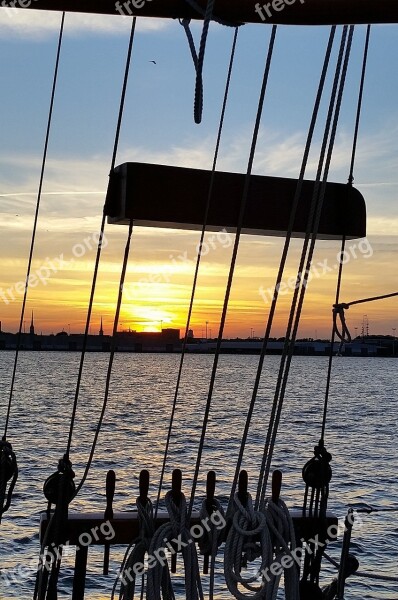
(8, 471)
(248, 539)
(132, 563)
(174, 536)
(338, 313)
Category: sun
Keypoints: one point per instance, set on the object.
(146, 319)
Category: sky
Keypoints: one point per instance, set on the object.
(158, 127)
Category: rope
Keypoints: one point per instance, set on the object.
(233, 260)
(344, 335)
(198, 59)
(128, 573)
(241, 548)
(283, 260)
(35, 222)
(8, 472)
(280, 525)
(375, 576)
(198, 260)
(338, 312)
(202, 12)
(305, 264)
(99, 247)
(358, 118)
(212, 538)
(177, 531)
(111, 357)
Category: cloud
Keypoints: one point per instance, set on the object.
(76, 187)
(37, 25)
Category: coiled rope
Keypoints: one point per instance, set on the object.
(128, 571)
(176, 531)
(280, 525)
(8, 472)
(241, 548)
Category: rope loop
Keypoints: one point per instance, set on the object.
(130, 570)
(248, 539)
(338, 313)
(198, 57)
(8, 472)
(174, 536)
(280, 525)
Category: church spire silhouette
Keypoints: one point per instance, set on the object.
(32, 326)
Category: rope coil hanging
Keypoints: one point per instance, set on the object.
(241, 547)
(177, 531)
(140, 547)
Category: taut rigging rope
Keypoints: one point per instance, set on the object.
(8, 461)
(102, 228)
(233, 259)
(198, 261)
(305, 263)
(36, 218)
(283, 258)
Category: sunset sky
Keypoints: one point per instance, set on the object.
(158, 127)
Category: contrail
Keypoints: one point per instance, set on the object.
(82, 193)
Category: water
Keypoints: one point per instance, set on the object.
(361, 434)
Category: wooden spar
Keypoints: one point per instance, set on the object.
(175, 197)
(288, 12)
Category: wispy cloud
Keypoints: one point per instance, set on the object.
(38, 25)
(77, 186)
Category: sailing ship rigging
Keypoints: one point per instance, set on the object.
(256, 530)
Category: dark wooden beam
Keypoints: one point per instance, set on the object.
(90, 529)
(290, 12)
(175, 197)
